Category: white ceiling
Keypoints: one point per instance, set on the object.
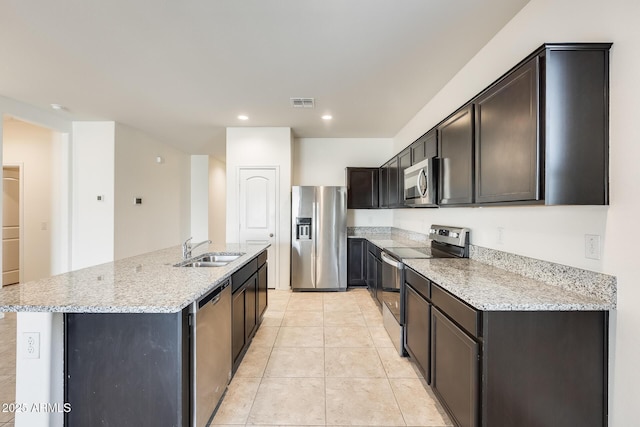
(183, 70)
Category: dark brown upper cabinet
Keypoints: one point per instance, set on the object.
(537, 135)
(393, 183)
(404, 161)
(542, 129)
(425, 147)
(383, 188)
(576, 123)
(362, 188)
(455, 145)
(506, 143)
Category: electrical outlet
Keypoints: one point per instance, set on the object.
(592, 246)
(31, 343)
(500, 235)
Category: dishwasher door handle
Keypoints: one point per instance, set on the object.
(213, 297)
(386, 258)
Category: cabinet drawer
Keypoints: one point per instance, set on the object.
(239, 277)
(419, 283)
(374, 249)
(460, 312)
(262, 258)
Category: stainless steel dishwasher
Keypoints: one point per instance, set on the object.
(210, 352)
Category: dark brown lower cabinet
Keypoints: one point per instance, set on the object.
(545, 368)
(238, 328)
(356, 261)
(418, 330)
(508, 368)
(262, 290)
(127, 369)
(455, 370)
(249, 302)
(250, 306)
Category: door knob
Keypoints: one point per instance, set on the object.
(270, 234)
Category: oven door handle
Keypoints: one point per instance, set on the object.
(386, 258)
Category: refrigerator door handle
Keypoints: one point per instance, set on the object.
(314, 250)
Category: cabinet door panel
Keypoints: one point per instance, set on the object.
(393, 184)
(250, 306)
(507, 138)
(455, 369)
(384, 187)
(456, 153)
(356, 262)
(262, 291)
(362, 188)
(418, 329)
(238, 325)
(404, 161)
(425, 147)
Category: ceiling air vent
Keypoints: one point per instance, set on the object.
(302, 102)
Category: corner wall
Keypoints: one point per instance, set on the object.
(93, 151)
(161, 220)
(557, 233)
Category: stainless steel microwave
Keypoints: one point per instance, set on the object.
(420, 184)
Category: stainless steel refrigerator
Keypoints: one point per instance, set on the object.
(319, 238)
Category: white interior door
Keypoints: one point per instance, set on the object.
(259, 213)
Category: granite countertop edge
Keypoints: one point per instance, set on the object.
(525, 294)
(127, 285)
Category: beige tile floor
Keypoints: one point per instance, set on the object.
(324, 359)
(7, 366)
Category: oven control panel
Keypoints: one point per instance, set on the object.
(458, 236)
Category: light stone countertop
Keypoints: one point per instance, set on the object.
(493, 289)
(387, 240)
(147, 283)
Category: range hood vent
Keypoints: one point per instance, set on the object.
(302, 102)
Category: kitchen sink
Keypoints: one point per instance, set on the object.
(218, 257)
(211, 259)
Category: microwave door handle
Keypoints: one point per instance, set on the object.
(421, 175)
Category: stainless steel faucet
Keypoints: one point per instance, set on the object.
(187, 248)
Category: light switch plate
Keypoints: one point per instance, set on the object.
(592, 246)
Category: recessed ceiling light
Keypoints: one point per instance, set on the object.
(57, 107)
(327, 117)
(243, 117)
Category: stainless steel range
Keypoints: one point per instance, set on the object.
(446, 242)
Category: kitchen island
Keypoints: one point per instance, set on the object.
(125, 352)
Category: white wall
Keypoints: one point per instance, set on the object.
(161, 220)
(323, 161)
(31, 147)
(217, 200)
(93, 154)
(262, 147)
(557, 233)
(199, 198)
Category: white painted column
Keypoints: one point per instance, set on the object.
(40, 381)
